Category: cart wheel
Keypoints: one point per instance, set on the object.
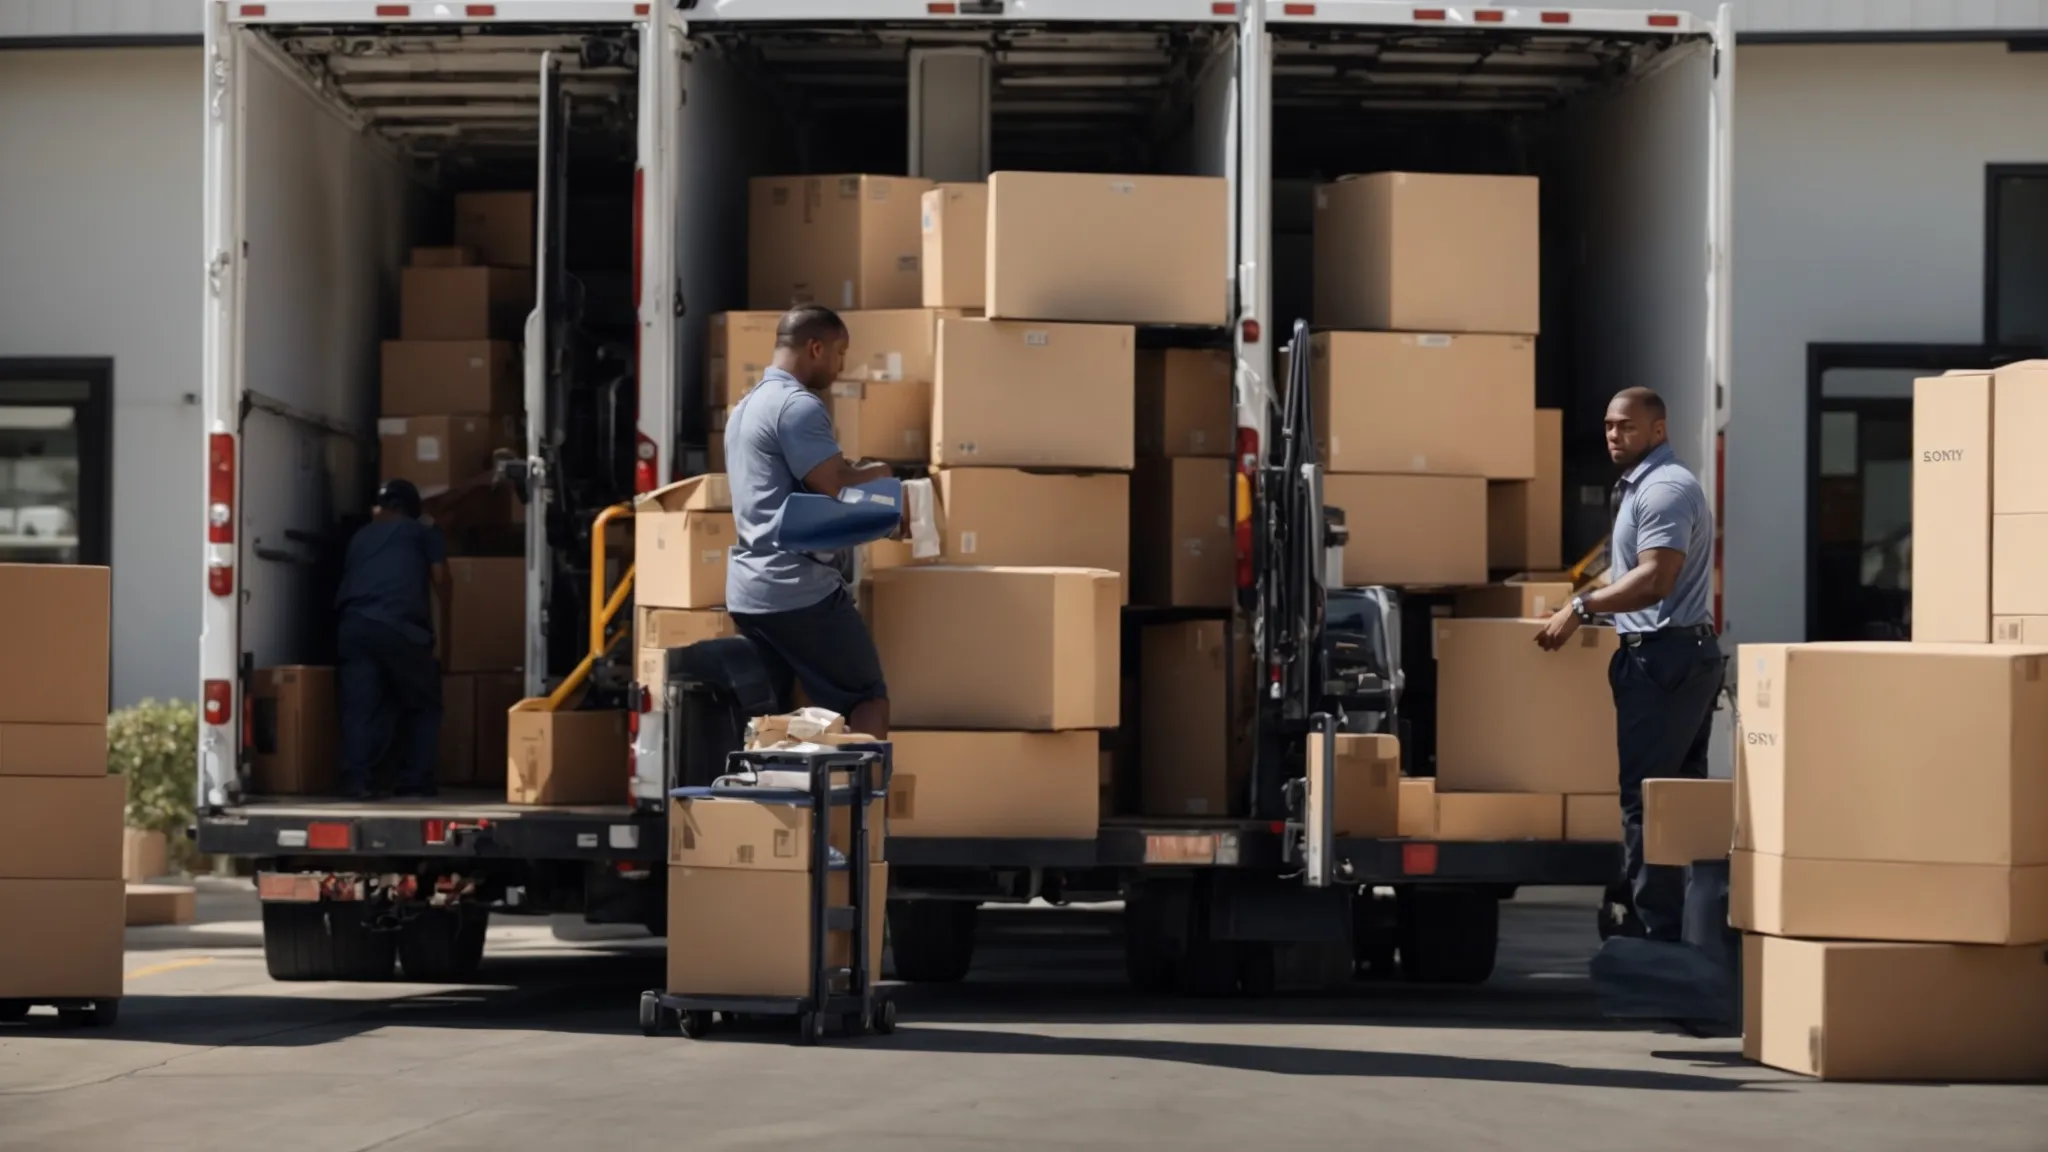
(810, 1028)
(885, 1018)
(696, 1025)
(650, 1014)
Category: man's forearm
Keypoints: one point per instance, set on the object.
(1633, 592)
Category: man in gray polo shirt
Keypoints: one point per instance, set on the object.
(1667, 672)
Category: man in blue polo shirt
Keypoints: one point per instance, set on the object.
(1667, 672)
(796, 606)
(389, 670)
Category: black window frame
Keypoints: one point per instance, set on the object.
(1993, 175)
(95, 438)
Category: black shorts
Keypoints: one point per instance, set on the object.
(825, 647)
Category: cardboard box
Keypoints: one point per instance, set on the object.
(681, 535)
(1525, 518)
(2019, 564)
(1687, 820)
(894, 344)
(1109, 249)
(59, 612)
(1033, 395)
(1863, 1011)
(1418, 808)
(498, 225)
(1031, 785)
(566, 758)
(144, 855)
(1193, 737)
(717, 833)
(1185, 402)
(1428, 404)
(496, 693)
(1533, 601)
(486, 615)
(1009, 517)
(53, 749)
(1496, 691)
(955, 225)
(438, 452)
(463, 303)
(61, 828)
(1367, 800)
(1952, 472)
(1183, 550)
(750, 930)
(883, 420)
(679, 627)
(1426, 252)
(296, 731)
(64, 939)
(2019, 474)
(431, 377)
(1411, 530)
(456, 763)
(1498, 816)
(1884, 900)
(843, 241)
(1057, 630)
(1595, 817)
(151, 905)
(739, 348)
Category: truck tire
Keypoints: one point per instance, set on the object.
(932, 940)
(443, 945)
(1448, 936)
(324, 942)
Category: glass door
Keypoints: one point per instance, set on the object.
(55, 463)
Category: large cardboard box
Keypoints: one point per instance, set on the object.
(496, 693)
(295, 730)
(61, 828)
(719, 833)
(486, 615)
(148, 905)
(55, 670)
(955, 220)
(1525, 518)
(1006, 516)
(1537, 600)
(893, 344)
(1884, 900)
(1367, 796)
(463, 303)
(1952, 472)
(1193, 741)
(1431, 404)
(1498, 816)
(681, 536)
(499, 226)
(738, 349)
(53, 749)
(1185, 404)
(1109, 249)
(1427, 252)
(1183, 550)
(1013, 395)
(750, 930)
(144, 855)
(456, 763)
(1511, 717)
(1056, 630)
(1411, 530)
(1867, 1011)
(2019, 565)
(679, 627)
(64, 938)
(883, 420)
(566, 758)
(1595, 817)
(437, 452)
(1687, 820)
(842, 241)
(431, 377)
(2019, 473)
(1418, 807)
(1028, 785)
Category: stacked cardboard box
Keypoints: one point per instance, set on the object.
(1980, 506)
(61, 891)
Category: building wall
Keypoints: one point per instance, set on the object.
(100, 257)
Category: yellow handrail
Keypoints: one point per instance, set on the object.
(602, 609)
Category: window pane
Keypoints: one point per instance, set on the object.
(38, 485)
(2022, 260)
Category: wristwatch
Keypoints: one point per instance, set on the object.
(1580, 610)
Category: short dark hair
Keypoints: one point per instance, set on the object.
(1646, 398)
(807, 322)
(400, 496)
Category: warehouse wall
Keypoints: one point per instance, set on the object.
(1859, 216)
(100, 257)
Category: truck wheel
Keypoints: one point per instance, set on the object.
(933, 940)
(443, 945)
(1448, 936)
(324, 942)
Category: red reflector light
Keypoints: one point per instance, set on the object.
(1431, 14)
(646, 465)
(942, 9)
(218, 701)
(394, 10)
(330, 837)
(1251, 331)
(480, 11)
(433, 831)
(1418, 859)
(1223, 9)
(1298, 9)
(1488, 16)
(641, 9)
(632, 724)
(220, 488)
(1557, 17)
(220, 579)
(249, 10)
(1663, 20)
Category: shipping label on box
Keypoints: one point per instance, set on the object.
(955, 227)
(1496, 690)
(1034, 395)
(1430, 404)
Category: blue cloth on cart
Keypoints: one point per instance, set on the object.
(808, 522)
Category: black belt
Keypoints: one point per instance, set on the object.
(1682, 632)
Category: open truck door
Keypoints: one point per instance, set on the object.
(543, 373)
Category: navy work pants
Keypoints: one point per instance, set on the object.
(386, 679)
(1664, 690)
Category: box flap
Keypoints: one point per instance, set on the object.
(706, 493)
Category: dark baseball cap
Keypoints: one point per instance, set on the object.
(400, 496)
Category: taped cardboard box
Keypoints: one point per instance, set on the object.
(1533, 601)
(1885, 900)
(681, 536)
(1844, 1010)
(1418, 808)
(64, 938)
(60, 614)
(1109, 249)
(53, 749)
(738, 349)
(1017, 395)
(1687, 820)
(1595, 818)
(894, 344)
(1428, 252)
(438, 452)
(2019, 564)
(883, 420)
(431, 377)
(1496, 688)
(486, 615)
(1428, 404)
(955, 229)
(750, 930)
(1412, 530)
(61, 828)
(996, 785)
(719, 833)
(566, 758)
(1194, 696)
(498, 225)
(1525, 518)
(1185, 404)
(680, 627)
(1498, 816)
(1367, 797)
(1183, 548)
(1010, 517)
(295, 730)
(846, 241)
(1952, 476)
(463, 303)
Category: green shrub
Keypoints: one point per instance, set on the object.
(156, 746)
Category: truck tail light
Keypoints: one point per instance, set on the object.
(1247, 465)
(218, 699)
(646, 464)
(220, 488)
(220, 579)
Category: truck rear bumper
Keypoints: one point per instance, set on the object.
(312, 828)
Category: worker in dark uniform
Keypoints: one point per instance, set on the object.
(797, 607)
(390, 670)
(1667, 671)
